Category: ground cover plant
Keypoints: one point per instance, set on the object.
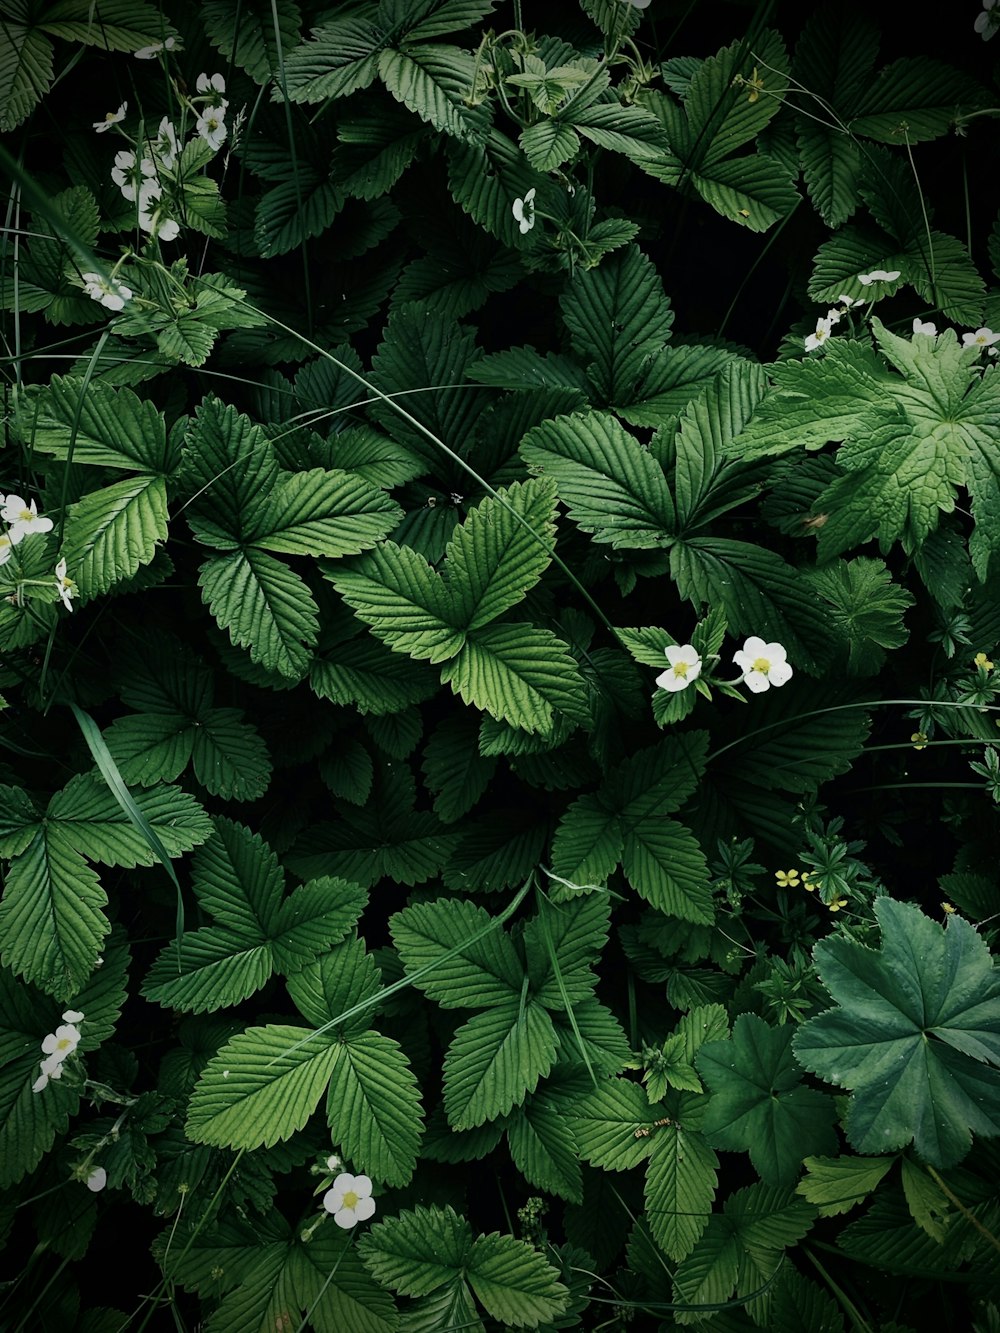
(499, 592)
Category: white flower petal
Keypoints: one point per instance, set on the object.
(97, 1179)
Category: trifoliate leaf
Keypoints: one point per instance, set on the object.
(915, 1034)
(101, 425)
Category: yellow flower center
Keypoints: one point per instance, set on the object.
(25, 516)
(63, 1044)
(351, 1200)
(681, 669)
(761, 664)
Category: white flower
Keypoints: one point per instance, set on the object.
(157, 48)
(112, 118)
(51, 1067)
(878, 275)
(926, 327)
(524, 211)
(6, 547)
(152, 220)
(981, 338)
(72, 1016)
(109, 291)
(333, 1162)
(127, 176)
(834, 316)
(23, 518)
(763, 665)
(165, 144)
(212, 127)
(350, 1200)
(97, 1179)
(63, 1042)
(685, 667)
(67, 591)
(639, 4)
(814, 340)
(210, 84)
(847, 301)
(987, 22)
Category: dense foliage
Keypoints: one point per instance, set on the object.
(499, 577)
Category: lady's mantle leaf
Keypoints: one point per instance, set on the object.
(757, 1105)
(915, 1035)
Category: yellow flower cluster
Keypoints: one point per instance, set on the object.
(808, 879)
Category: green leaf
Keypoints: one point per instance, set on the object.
(705, 483)
(90, 818)
(112, 532)
(296, 210)
(258, 1090)
(618, 318)
(588, 843)
(404, 601)
(231, 469)
(325, 513)
(664, 864)
(417, 1251)
(914, 99)
(866, 608)
(51, 918)
(433, 82)
(513, 1282)
(267, 31)
(26, 69)
(453, 768)
(758, 1104)
(543, 1149)
(483, 973)
(265, 606)
(520, 674)
(111, 25)
(494, 1060)
(915, 1034)
(501, 550)
(562, 945)
(680, 1187)
(364, 673)
(373, 1107)
(611, 486)
(96, 424)
(612, 1125)
(340, 58)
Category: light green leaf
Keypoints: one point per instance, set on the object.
(612, 1125)
(230, 469)
(520, 674)
(835, 1184)
(588, 842)
(501, 550)
(373, 1107)
(98, 424)
(494, 1060)
(619, 318)
(612, 487)
(265, 606)
(210, 969)
(915, 1034)
(366, 674)
(664, 864)
(51, 918)
(257, 1090)
(112, 532)
(404, 601)
(680, 1187)
(340, 58)
(485, 973)
(90, 818)
(513, 1282)
(325, 513)
(418, 1251)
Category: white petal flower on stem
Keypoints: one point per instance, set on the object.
(211, 126)
(926, 327)
(157, 48)
(814, 340)
(210, 83)
(63, 1042)
(878, 275)
(97, 1179)
(108, 291)
(65, 586)
(165, 145)
(763, 665)
(112, 118)
(6, 547)
(72, 1016)
(350, 1200)
(988, 21)
(129, 177)
(151, 217)
(981, 338)
(524, 211)
(333, 1162)
(684, 669)
(23, 518)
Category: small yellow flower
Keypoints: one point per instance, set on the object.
(919, 739)
(787, 879)
(948, 908)
(809, 880)
(755, 84)
(837, 904)
(981, 660)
